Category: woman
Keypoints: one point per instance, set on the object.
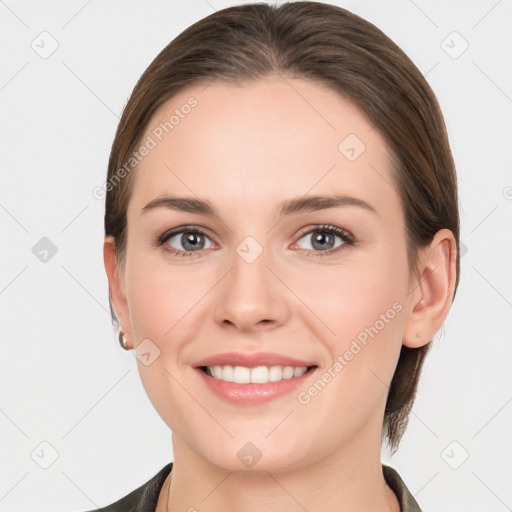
(281, 245)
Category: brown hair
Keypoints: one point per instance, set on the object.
(333, 47)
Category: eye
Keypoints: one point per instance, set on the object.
(185, 240)
(325, 239)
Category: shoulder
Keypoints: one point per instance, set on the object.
(404, 496)
(142, 499)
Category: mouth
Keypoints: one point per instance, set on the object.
(255, 375)
(250, 386)
(254, 378)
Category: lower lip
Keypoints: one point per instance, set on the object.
(251, 394)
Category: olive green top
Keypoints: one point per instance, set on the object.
(145, 497)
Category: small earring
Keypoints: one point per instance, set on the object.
(418, 335)
(123, 340)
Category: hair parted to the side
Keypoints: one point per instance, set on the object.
(335, 48)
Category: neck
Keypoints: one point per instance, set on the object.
(348, 479)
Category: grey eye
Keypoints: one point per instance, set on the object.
(190, 241)
(322, 240)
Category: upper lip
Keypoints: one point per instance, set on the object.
(251, 360)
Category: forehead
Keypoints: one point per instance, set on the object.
(261, 142)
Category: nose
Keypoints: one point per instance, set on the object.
(251, 297)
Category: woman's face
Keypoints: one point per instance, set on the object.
(322, 281)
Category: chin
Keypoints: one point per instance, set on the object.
(258, 456)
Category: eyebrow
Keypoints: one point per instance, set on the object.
(306, 203)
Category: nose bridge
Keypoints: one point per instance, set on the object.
(251, 295)
(249, 264)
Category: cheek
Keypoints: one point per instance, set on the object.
(359, 310)
(368, 305)
(352, 296)
(161, 298)
(362, 318)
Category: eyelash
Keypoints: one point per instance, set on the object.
(347, 238)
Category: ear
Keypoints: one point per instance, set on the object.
(432, 290)
(116, 285)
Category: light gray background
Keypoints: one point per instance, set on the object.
(66, 382)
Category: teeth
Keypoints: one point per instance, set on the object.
(257, 375)
(241, 375)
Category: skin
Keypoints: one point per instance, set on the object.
(247, 149)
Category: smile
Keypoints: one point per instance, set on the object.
(256, 375)
(244, 386)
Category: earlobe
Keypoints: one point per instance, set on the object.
(432, 290)
(116, 286)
